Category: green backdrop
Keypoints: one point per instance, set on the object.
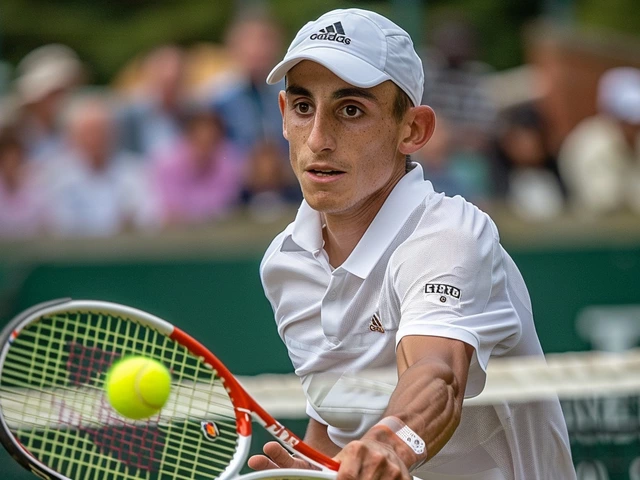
(208, 285)
(220, 301)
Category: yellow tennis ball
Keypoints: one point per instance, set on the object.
(138, 387)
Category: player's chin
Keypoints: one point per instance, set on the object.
(326, 201)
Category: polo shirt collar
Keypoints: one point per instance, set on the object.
(410, 191)
(307, 231)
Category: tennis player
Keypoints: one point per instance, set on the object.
(379, 270)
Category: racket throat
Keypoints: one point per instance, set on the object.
(282, 434)
(279, 431)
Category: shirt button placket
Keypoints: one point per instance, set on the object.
(331, 310)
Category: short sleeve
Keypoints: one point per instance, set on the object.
(448, 280)
(313, 414)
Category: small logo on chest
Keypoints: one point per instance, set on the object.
(376, 324)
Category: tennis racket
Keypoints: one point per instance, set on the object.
(56, 421)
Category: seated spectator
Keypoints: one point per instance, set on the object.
(270, 188)
(45, 78)
(150, 121)
(600, 159)
(94, 189)
(199, 178)
(22, 207)
(453, 170)
(455, 84)
(249, 108)
(526, 173)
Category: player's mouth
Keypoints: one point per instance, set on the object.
(324, 173)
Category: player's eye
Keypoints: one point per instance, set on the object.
(351, 111)
(302, 108)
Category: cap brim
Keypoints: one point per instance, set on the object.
(348, 67)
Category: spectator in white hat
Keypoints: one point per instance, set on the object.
(600, 159)
(44, 79)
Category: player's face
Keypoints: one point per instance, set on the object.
(343, 140)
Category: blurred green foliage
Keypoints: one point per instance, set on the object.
(108, 33)
(614, 15)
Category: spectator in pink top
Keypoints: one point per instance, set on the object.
(199, 179)
(22, 207)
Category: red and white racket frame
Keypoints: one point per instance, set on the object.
(246, 408)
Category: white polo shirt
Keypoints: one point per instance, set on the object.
(427, 265)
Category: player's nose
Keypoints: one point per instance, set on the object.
(322, 137)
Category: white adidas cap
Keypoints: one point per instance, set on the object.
(361, 47)
(619, 94)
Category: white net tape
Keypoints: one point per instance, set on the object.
(567, 375)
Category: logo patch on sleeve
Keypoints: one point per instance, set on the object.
(442, 294)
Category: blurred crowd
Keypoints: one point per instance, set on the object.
(189, 136)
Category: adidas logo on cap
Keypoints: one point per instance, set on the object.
(334, 33)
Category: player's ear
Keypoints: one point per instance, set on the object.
(419, 124)
(282, 103)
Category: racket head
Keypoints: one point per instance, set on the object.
(55, 419)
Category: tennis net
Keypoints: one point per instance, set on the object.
(599, 394)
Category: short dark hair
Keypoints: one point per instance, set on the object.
(401, 104)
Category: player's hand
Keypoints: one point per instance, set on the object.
(276, 456)
(368, 459)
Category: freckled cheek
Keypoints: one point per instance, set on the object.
(298, 135)
(295, 155)
(294, 160)
(376, 141)
(377, 157)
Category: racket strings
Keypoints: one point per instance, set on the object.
(52, 398)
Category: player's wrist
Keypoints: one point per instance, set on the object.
(406, 443)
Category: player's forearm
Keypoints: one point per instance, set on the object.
(428, 400)
(429, 394)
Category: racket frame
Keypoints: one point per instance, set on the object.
(246, 408)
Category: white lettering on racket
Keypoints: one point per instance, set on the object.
(282, 434)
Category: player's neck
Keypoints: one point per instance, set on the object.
(341, 234)
(342, 231)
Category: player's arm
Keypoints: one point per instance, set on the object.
(428, 399)
(432, 380)
(317, 436)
